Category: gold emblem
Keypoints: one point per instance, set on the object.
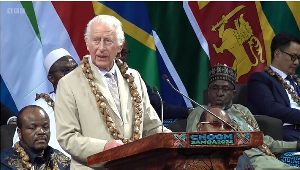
(233, 40)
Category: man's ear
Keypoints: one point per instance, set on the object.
(86, 44)
(198, 126)
(50, 78)
(276, 54)
(19, 133)
(233, 92)
(120, 48)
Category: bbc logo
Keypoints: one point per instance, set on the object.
(15, 11)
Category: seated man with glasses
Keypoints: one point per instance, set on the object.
(275, 92)
(220, 94)
(57, 63)
(221, 90)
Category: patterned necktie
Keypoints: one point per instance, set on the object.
(113, 88)
(292, 83)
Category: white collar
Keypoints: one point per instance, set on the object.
(103, 72)
(282, 74)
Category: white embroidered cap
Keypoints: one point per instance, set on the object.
(53, 56)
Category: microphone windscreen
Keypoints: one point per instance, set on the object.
(165, 77)
(155, 89)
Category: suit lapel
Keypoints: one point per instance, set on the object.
(124, 93)
(103, 88)
(281, 90)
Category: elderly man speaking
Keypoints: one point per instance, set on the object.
(102, 104)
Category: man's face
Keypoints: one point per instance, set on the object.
(35, 131)
(284, 61)
(61, 68)
(220, 94)
(102, 45)
(212, 124)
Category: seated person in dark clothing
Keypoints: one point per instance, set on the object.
(8, 126)
(170, 111)
(275, 92)
(7, 133)
(33, 152)
(7, 115)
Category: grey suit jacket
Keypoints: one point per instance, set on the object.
(81, 130)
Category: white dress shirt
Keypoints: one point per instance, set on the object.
(113, 71)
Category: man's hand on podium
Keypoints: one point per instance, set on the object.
(113, 144)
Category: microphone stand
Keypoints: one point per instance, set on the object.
(162, 109)
(165, 77)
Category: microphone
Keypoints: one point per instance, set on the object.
(166, 79)
(162, 109)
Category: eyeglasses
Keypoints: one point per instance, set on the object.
(217, 124)
(293, 56)
(65, 71)
(224, 89)
(125, 52)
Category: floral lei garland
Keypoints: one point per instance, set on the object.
(101, 101)
(264, 148)
(285, 85)
(25, 158)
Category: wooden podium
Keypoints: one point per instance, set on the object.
(179, 150)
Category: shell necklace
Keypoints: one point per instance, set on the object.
(25, 158)
(102, 102)
(264, 148)
(48, 99)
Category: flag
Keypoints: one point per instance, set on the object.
(179, 52)
(21, 54)
(279, 17)
(137, 29)
(27, 37)
(179, 39)
(239, 34)
(148, 54)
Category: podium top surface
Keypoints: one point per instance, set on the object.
(181, 140)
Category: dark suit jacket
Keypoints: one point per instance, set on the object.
(7, 134)
(267, 96)
(170, 111)
(6, 113)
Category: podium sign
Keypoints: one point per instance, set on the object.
(179, 150)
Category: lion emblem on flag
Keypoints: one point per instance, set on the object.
(233, 40)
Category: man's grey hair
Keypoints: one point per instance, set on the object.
(111, 21)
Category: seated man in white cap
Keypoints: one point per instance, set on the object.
(57, 64)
